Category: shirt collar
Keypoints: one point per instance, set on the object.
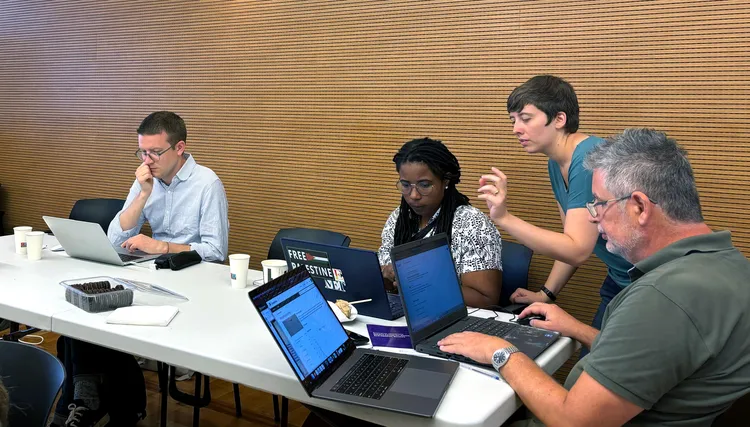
(703, 243)
(434, 216)
(187, 169)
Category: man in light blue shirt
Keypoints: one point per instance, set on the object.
(183, 202)
(186, 206)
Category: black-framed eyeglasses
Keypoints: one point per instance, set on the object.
(592, 205)
(423, 187)
(155, 155)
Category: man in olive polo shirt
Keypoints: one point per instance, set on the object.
(674, 348)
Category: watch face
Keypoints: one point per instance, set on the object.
(499, 358)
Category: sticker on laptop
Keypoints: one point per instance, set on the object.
(318, 266)
(389, 336)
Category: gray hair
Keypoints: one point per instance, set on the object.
(647, 160)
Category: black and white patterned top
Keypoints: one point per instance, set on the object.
(475, 242)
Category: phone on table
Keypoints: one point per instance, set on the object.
(357, 338)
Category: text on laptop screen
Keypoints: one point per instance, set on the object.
(305, 328)
(429, 286)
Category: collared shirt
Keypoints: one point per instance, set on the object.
(192, 210)
(475, 242)
(675, 342)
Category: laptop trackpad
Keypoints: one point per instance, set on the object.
(423, 383)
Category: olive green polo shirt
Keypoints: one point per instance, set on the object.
(676, 342)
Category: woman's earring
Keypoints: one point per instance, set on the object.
(446, 187)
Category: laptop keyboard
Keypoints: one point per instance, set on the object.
(371, 376)
(128, 258)
(489, 327)
(484, 326)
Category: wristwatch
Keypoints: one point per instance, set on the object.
(500, 357)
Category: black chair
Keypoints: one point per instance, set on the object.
(33, 378)
(100, 211)
(275, 251)
(516, 262)
(168, 387)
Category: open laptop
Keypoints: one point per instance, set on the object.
(434, 305)
(326, 361)
(345, 273)
(86, 240)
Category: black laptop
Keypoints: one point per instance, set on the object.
(328, 364)
(345, 273)
(434, 305)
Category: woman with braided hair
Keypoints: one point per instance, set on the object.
(430, 204)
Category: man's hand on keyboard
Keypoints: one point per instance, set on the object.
(145, 244)
(473, 345)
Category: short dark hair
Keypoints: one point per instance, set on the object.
(551, 95)
(164, 121)
(444, 165)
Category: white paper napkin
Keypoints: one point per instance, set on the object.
(143, 315)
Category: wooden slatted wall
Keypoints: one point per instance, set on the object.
(300, 106)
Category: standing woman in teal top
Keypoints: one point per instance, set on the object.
(544, 114)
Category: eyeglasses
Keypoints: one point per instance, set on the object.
(423, 187)
(155, 155)
(592, 205)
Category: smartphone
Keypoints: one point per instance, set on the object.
(357, 338)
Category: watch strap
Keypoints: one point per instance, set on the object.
(549, 294)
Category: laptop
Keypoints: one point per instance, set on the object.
(326, 361)
(345, 273)
(86, 240)
(434, 305)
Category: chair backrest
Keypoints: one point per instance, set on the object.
(736, 415)
(516, 261)
(33, 378)
(100, 211)
(275, 251)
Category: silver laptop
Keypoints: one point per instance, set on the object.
(86, 240)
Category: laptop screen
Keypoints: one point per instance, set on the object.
(302, 323)
(428, 282)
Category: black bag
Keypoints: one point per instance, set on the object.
(177, 261)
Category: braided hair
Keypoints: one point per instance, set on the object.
(436, 156)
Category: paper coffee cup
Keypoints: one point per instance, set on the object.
(20, 234)
(34, 242)
(273, 268)
(238, 264)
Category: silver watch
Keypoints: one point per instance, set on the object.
(500, 357)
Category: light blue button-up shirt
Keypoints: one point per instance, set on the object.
(191, 210)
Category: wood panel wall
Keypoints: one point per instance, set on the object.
(300, 106)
